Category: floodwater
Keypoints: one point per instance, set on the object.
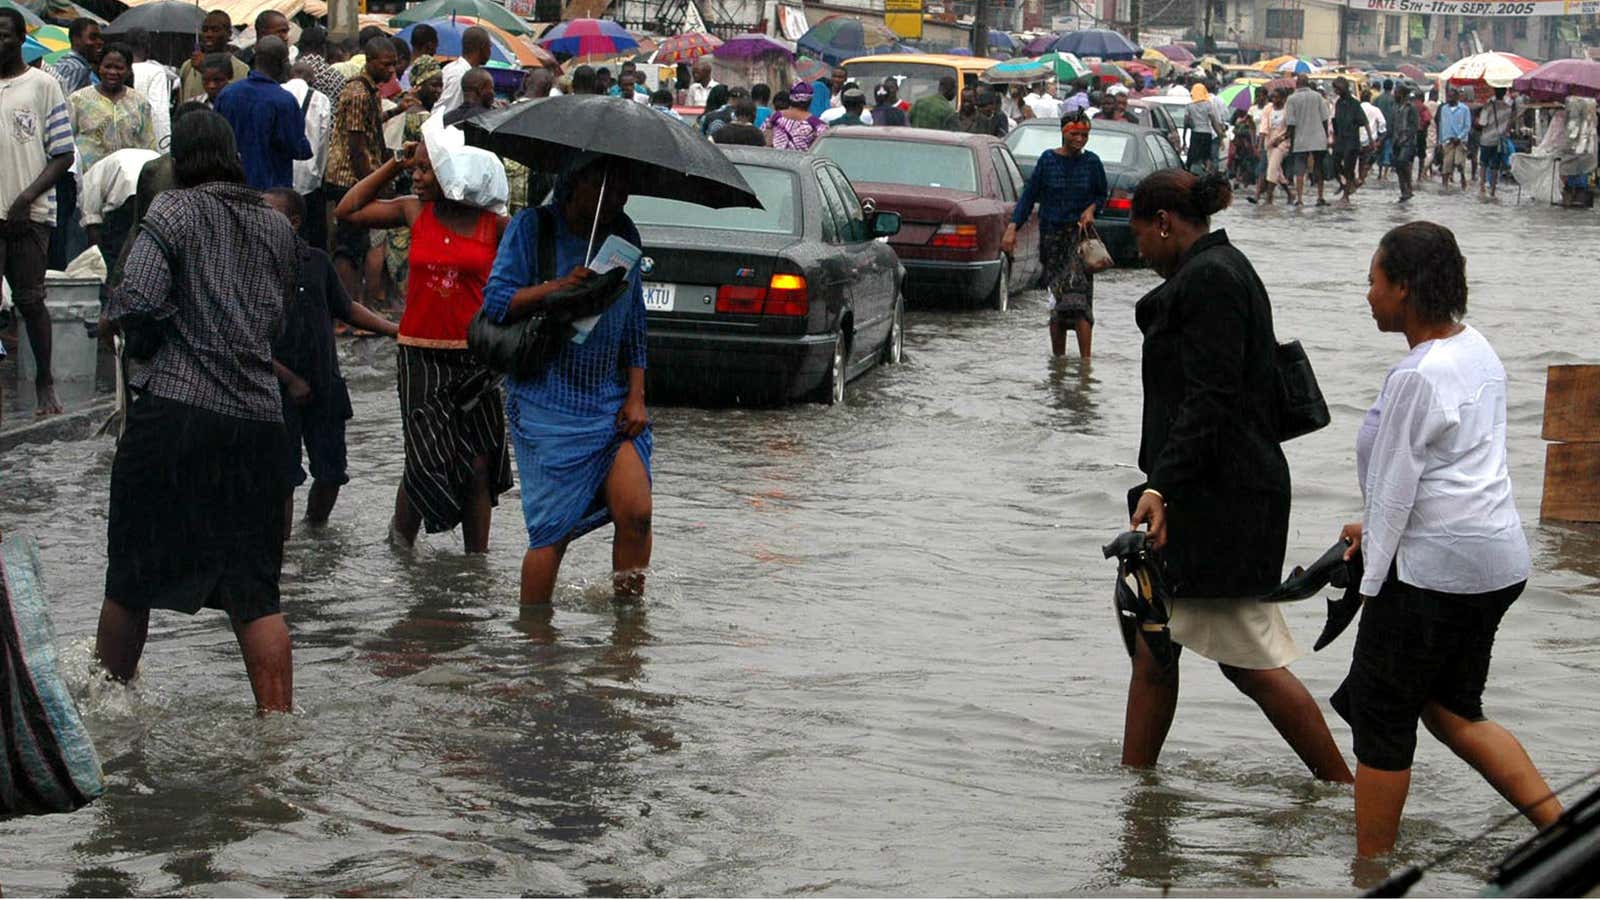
(877, 654)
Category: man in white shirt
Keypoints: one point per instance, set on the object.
(1372, 135)
(155, 82)
(700, 87)
(105, 197)
(474, 53)
(1040, 101)
(318, 115)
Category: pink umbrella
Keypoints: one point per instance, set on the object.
(1561, 78)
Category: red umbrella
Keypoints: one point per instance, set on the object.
(1414, 73)
(1561, 78)
(686, 47)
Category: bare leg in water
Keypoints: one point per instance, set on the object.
(264, 643)
(1153, 700)
(476, 508)
(407, 523)
(1295, 714)
(1488, 747)
(627, 495)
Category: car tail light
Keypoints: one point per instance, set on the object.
(740, 298)
(956, 237)
(786, 296)
(1122, 205)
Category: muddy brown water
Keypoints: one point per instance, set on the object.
(876, 657)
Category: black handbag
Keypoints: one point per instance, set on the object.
(1301, 409)
(524, 349)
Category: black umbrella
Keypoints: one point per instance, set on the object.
(664, 157)
(161, 17)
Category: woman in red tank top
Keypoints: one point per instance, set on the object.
(457, 463)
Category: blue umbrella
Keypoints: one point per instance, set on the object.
(999, 40)
(1097, 42)
(1296, 67)
(450, 31)
(838, 38)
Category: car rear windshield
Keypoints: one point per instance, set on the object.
(777, 190)
(1111, 146)
(917, 80)
(903, 162)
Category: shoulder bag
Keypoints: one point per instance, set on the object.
(525, 348)
(1301, 408)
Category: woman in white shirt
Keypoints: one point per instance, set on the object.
(1444, 553)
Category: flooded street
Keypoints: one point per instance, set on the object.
(877, 654)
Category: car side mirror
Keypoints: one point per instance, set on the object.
(885, 223)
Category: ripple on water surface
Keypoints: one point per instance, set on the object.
(876, 657)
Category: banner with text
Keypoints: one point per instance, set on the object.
(1473, 8)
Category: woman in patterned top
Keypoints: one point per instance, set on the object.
(457, 465)
(581, 430)
(110, 116)
(794, 127)
(198, 483)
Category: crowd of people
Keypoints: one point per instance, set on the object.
(1287, 138)
(253, 199)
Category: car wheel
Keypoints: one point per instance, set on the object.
(1000, 296)
(832, 390)
(894, 349)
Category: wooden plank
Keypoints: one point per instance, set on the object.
(1572, 403)
(1571, 483)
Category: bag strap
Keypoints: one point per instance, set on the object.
(547, 244)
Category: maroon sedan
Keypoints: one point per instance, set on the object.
(955, 194)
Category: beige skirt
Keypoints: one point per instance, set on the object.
(1243, 633)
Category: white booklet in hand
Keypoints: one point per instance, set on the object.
(615, 253)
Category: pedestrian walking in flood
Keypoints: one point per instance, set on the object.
(1405, 135)
(581, 429)
(1443, 550)
(1306, 120)
(1204, 128)
(1494, 123)
(1455, 127)
(197, 485)
(36, 160)
(1349, 123)
(316, 402)
(457, 463)
(1216, 498)
(1069, 186)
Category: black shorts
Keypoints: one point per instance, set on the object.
(319, 428)
(349, 241)
(1415, 646)
(1344, 160)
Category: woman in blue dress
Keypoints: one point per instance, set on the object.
(580, 428)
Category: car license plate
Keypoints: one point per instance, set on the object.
(658, 297)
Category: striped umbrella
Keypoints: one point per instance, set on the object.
(838, 38)
(588, 37)
(1493, 68)
(480, 9)
(1237, 96)
(686, 47)
(30, 19)
(1065, 66)
(1110, 73)
(32, 50)
(54, 38)
(1296, 67)
(1017, 71)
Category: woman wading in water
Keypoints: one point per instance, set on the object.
(1217, 495)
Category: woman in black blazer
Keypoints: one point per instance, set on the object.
(1216, 498)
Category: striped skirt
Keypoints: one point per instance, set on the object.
(453, 414)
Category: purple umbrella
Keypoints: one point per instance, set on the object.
(1040, 45)
(1561, 78)
(1177, 53)
(746, 47)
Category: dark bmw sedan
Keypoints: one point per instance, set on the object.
(775, 304)
(1129, 152)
